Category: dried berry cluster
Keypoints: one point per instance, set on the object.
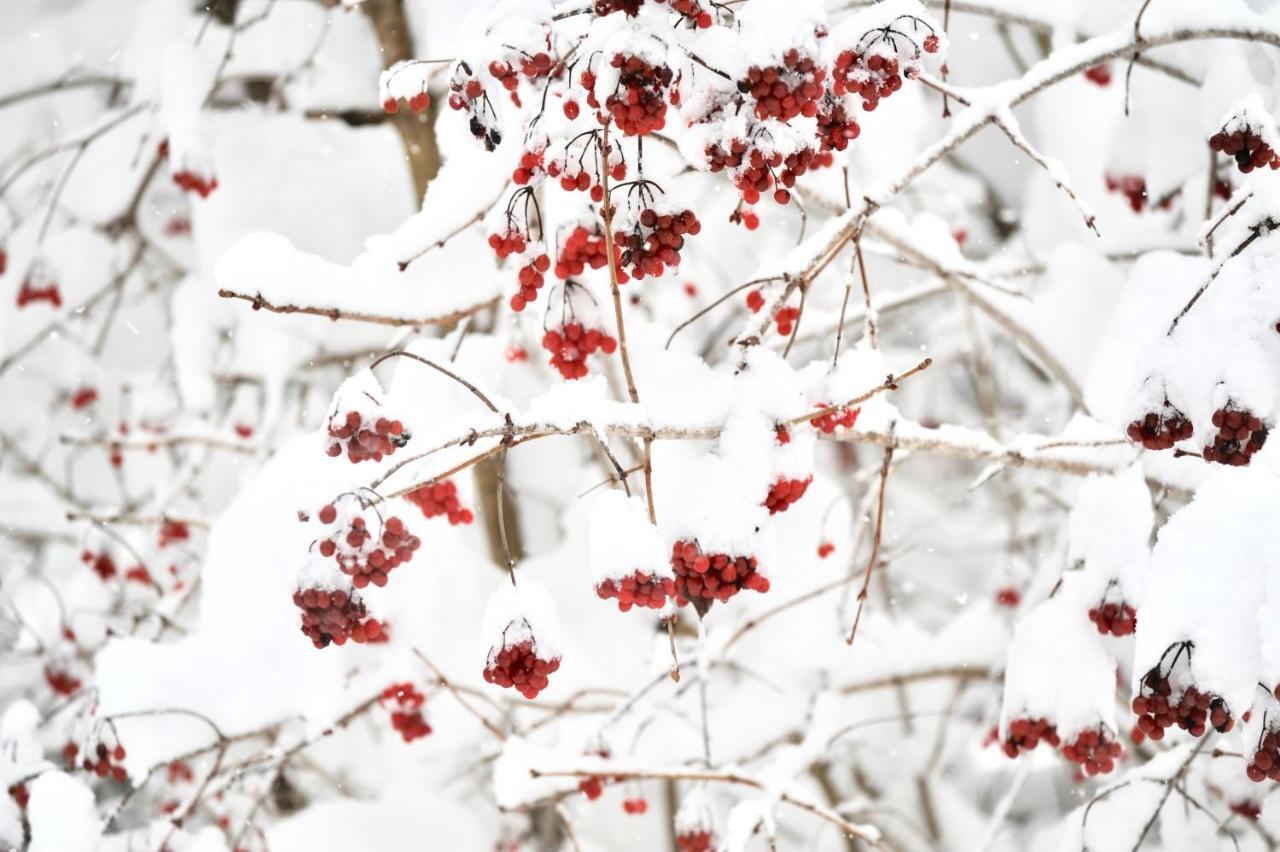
(585, 248)
(1240, 435)
(364, 440)
(1118, 619)
(441, 498)
(518, 666)
(405, 703)
(832, 420)
(1246, 147)
(332, 615)
(1193, 712)
(787, 90)
(784, 493)
(1096, 751)
(571, 345)
(364, 557)
(1160, 430)
(638, 104)
(467, 94)
(640, 589)
(1025, 734)
(654, 240)
(702, 578)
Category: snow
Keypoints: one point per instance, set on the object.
(62, 815)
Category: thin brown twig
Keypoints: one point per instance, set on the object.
(335, 314)
(875, 545)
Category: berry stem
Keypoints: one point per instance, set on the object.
(433, 365)
(875, 545)
(606, 211)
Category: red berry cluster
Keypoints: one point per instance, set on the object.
(83, 398)
(696, 841)
(20, 795)
(1193, 712)
(1160, 430)
(754, 169)
(692, 11)
(171, 531)
(836, 128)
(1099, 75)
(1265, 762)
(571, 345)
(519, 667)
(745, 216)
(574, 177)
(640, 589)
(592, 787)
(29, 293)
(467, 94)
(366, 559)
(139, 574)
(1008, 596)
(106, 761)
(784, 319)
(1118, 619)
(101, 563)
(635, 806)
(417, 103)
(1134, 189)
(1240, 435)
(825, 549)
(829, 422)
(189, 181)
(585, 248)
(61, 682)
(872, 77)
(784, 492)
(531, 280)
(1025, 734)
(332, 615)
(654, 241)
(510, 242)
(1246, 808)
(787, 90)
(531, 166)
(441, 498)
(702, 579)
(638, 104)
(1246, 147)
(405, 704)
(1096, 751)
(363, 440)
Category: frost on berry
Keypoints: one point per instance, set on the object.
(39, 285)
(1240, 434)
(636, 79)
(365, 544)
(359, 425)
(649, 231)
(441, 498)
(694, 823)
(404, 704)
(1248, 135)
(627, 556)
(1167, 697)
(703, 578)
(874, 53)
(1161, 429)
(524, 637)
